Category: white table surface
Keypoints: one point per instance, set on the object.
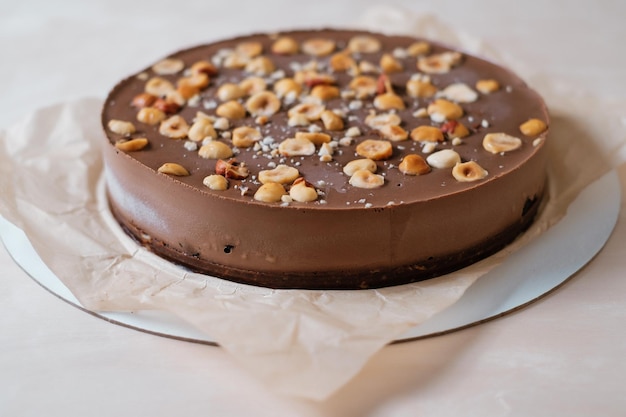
(561, 356)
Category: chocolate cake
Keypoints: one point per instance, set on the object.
(330, 159)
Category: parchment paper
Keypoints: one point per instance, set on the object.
(302, 343)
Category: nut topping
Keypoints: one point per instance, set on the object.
(468, 172)
(215, 182)
(487, 86)
(296, 147)
(264, 103)
(364, 44)
(172, 168)
(533, 127)
(427, 134)
(272, 192)
(501, 142)
(285, 45)
(317, 138)
(202, 128)
(363, 178)
(413, 164)
(445, 158)
(150, 116)
(168, 66)
(394, 133)
(131, 145)
(460, 92)
(439, 63)
(232, 110)
(359, 164)
(244, 136)
(332, 121)
(375, 149)
(215, 150)
(121, 127)
(302, 191)
(441, 110)
(318, 47)
(231, 169)
(158, 86)
(174, 127)
(282, 174)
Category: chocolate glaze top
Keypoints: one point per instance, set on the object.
(501, 111)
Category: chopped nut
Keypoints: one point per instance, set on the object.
(353, 131)
(394, 133)
(215, 182)
(439, 63)
(318, 46)
(445, 158)
(533, 127)
(363, 178)
(245, 136)
(468, 172)
(389, 101)
(487, 86)
(359, 164)
(427, 134)
(420, 88)
(168, 66)
(230, 91)
(174, 127)
(302, 191)
(270, 192)
(150, 115)
(460, 92)
(418, 48)
(158, 86)
(317, 138)
(121, 127)
(253, 85)
(264, 103)
(215, 150)
(175, 169)
(235, 60)
(312, 111)
(202, 128)
(341, 62)
(454, 129)
(501, 142)
(221, 123)
(364, 86)
(282, 174)
(232, 169)
(296, 147)
(413, 164)
(364, 44)
(287, 86)
(331, 120)
(203, 67)
(131, 145)
(260, 65)
(375, 149)
(166, 106)
(142, 100)
(389, 64)
(232, 110)
(377, 121)
(441, 110)
(250, 49)
(285, 45)
(298, 119)
(325, 92)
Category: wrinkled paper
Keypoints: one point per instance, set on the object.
(298, 342)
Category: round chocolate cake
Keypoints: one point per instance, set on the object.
(325, 159)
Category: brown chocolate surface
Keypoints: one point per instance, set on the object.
(411, 228)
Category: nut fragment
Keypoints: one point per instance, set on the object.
(439, 63)
(331, 120)
(359, 164)
(364, 86)
(232, 169)
(250, 48)
(287, 86)
(533, 127)
(302, 191)
(296, 147)
(174, 127)
(454, 129)
(441, 110)
(413, 164)
(394, 133)
(168, 66)
(427, 134)
(389, 101)
(282, 174)
(272, 192)
(341, 62)
(215, 150)
(487, 86)
(318, 138)
(312, 111)
(215, 182)
(232, 110)
(253, 85)
(363, 178)
(501, 142)
(201, 129)
(175, 169)
(364, 44)
(318, 46)
(131, 145)
(460, 92)
(285, 45)
(142, 100)
(445, 158)
(377, 121)
(150, 115)
(121, 127)
(167, 106)
(418, 48)
(245, 136)
(203, 67)
(260, 65)
(375, 149)
(158, 86)
(230, 91)
(468, 172)
(325, 92)
(264, 103)
(420, 88)
(389, 64)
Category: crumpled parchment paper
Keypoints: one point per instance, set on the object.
(302, 343)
